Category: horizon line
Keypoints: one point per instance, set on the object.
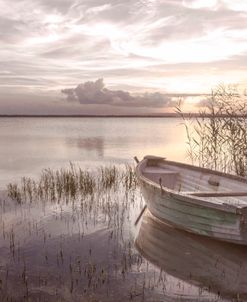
(158, 115)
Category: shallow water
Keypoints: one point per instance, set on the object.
(68, 252)
(80, 250)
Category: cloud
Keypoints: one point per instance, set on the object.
(96, 93)
(176, 46)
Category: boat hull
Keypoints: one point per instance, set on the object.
(193, 217)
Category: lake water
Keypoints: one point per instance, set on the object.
(28, 145)
(62, 242)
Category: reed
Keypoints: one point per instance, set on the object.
(14, 192)
(217, 139)
(72, 183)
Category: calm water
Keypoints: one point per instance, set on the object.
(30, 144)
(87, 248)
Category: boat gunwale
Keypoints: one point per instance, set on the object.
(199, 201)
(210, 171)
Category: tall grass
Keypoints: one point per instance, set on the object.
(217, 139)
(72, 183)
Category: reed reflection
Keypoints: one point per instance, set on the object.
(219, 267)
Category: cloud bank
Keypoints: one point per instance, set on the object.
(95, 93)
(175, 46)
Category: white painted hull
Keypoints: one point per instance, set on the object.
(193, 214)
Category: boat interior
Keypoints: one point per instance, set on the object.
(197, 182)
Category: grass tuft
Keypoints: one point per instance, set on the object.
(72, 183)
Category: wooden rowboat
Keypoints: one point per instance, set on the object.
(195, 199)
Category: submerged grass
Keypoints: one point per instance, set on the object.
(92, 258)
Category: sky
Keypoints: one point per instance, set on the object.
(118, 57)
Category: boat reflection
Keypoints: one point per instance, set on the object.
(219, 267)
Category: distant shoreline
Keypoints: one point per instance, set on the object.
(166, 115)
(87, 116)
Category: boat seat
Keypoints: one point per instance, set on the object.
(216, 194)
(167, 178)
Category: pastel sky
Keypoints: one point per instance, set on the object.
(117, 56)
